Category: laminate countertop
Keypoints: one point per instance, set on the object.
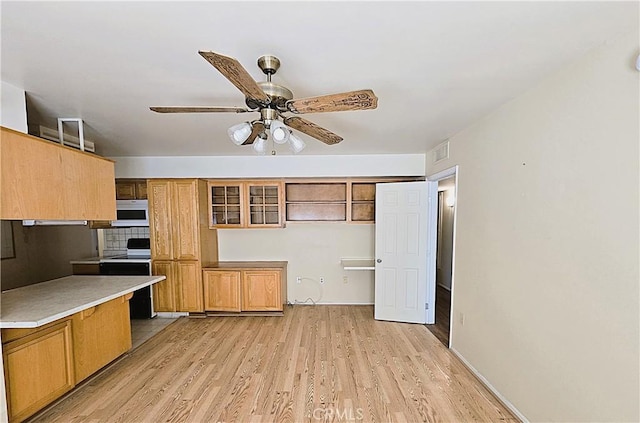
(232, 265)
(36, 305)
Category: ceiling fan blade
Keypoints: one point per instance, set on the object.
(353, 100)
(236, 74)
(198, 109)
(312, 130)
(256, 128)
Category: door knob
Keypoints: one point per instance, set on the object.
(379, 261)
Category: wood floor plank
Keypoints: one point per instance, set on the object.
(314, 364)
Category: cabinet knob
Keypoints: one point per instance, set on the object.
(379, 261)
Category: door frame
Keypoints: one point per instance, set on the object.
(436, 177)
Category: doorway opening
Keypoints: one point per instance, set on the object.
(447, 189)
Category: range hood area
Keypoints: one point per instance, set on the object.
(53, 222)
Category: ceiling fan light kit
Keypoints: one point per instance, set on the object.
(239, 133)
(272, 101)
(279, 132)
(296, 145)
(260, 146)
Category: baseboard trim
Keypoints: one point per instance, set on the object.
(490, 387)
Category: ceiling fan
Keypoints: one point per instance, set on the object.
(273, 102)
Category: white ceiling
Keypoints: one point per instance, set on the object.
(436, 67)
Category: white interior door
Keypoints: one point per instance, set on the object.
(405, 265)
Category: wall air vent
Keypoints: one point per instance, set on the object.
(69, 140)
(440, 152)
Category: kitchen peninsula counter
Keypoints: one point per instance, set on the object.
(36, 305)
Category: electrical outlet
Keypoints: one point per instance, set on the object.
(345, 279)
(298, 279)
(321, 280)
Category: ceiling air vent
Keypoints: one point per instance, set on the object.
(440, 152)
(69, 140)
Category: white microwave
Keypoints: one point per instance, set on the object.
(131, 213)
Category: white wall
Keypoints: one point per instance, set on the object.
(270, 166)
(546, 269)
(313, 250)
(13, 110)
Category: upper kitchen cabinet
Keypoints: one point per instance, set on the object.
(131, 189)
(246, 204)
(178, 225)
(44, 180)
(316, 201)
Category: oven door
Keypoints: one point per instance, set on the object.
(141, 304)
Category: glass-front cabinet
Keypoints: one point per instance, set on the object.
(246, 204)
(226, 205)
(264, 204)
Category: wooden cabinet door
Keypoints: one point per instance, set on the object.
(89, 186)
(22, 184)
(100, 335)
(164, 293)
(265, 204)
(189, 286)
(185, 220)
(125, 190)
(141, 190)
(160, 225)
(261, 290)
(221, 290)
(226, 204)
(38, 369)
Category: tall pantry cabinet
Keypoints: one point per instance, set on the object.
(180, 241)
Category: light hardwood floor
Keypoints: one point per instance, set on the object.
(316, 363)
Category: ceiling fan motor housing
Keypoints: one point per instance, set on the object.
(278, 94)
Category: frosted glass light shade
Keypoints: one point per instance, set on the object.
(279, 132)
(260, 145)
(296, 144)
(239, 133)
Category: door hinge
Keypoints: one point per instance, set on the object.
(426, 306)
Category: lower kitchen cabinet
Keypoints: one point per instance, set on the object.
(245, 286)
(38, 367)
(261, 290)
(182, 290)
(164, 293)
(42, 364)
(221, 290)
(100, 334)
(189, 286)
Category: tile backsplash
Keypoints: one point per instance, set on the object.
(115, 239)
